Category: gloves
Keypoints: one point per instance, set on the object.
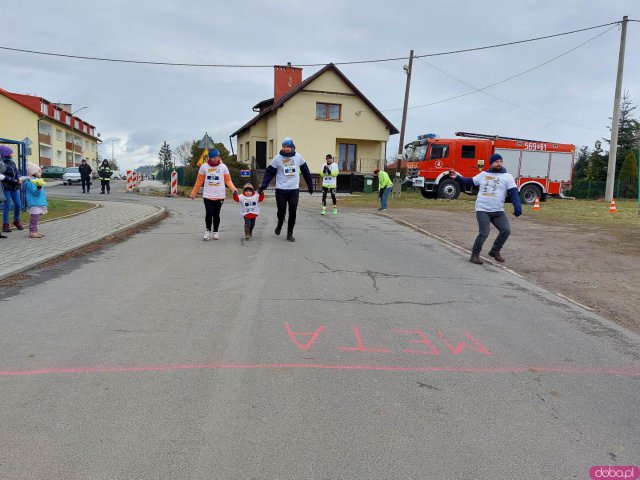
(517, 212)
(260, 190)
(325, 170)
(235, 193)
(311, 191)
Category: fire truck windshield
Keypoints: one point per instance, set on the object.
(416, 152)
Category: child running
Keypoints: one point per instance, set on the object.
(249, 207)
(214, 175)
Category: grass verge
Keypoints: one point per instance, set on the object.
(61, 208)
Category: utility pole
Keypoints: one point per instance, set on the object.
(613, 145)
(407, 69)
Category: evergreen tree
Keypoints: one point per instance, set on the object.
(166, 157)
(597, 169)
(581, 164)
(629, 175)
(628, 130)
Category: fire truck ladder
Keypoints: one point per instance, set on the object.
(495, 137)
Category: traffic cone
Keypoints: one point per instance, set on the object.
(536, 204)
(612, 206)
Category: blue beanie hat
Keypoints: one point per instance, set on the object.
(214, 153)
(287, 142)
(5, 151)
(494, 157)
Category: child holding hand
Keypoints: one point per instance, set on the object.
(36, 198)
(249, 202)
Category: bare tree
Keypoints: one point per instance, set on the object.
(183, 153)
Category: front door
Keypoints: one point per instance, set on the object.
(261, 155)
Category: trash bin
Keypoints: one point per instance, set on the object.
(368, 183)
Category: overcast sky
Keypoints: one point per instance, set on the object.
(568, 100)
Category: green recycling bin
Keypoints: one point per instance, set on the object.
(368, 183)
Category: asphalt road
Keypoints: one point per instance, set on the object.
(364, 350)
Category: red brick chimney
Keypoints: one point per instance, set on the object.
(284, 79)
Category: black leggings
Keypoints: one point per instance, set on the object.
(284, 198)
(324, 195)
(212, 213)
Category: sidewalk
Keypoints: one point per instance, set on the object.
(66, 234)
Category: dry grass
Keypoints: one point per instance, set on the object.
(593, 212)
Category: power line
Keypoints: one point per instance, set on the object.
(476, 90)
(222, 65)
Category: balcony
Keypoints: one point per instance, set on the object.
(69, 146)
(77, 148)
(45, 161)
(44, 138)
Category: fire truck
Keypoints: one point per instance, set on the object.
(539, 168)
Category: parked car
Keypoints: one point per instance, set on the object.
(118, 175)
(53, 172)
(72, 175)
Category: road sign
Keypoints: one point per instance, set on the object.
(245, 173)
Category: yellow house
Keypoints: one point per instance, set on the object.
(59, 138)
(324, 114)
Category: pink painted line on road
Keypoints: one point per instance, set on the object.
(380, 368)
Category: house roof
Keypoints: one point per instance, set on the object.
(298, 88)
(33, 103)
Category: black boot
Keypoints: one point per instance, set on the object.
(290, 237)
(278, 229)
(247, 233)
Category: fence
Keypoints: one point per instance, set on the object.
(596, 189)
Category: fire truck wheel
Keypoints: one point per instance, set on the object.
(529, 193)
(425, 193)
(448, 189)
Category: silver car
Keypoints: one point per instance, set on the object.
(72, 175)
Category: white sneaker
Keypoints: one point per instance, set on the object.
(207, 235)
(216, 236)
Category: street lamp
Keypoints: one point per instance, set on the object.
(73, 143)
(113, 140)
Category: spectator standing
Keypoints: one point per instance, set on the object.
(494, 186)
(11, 185)
(104, 174)
(384, 188)
(286, 167)
(85, 175)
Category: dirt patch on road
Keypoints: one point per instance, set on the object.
(596, 266)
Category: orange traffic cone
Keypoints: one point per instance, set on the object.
(612, 206)
(536, 204)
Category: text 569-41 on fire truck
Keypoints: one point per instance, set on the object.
(539, 168)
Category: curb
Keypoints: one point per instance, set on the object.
(154, 218)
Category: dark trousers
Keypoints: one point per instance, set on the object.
(290, 198)
(86, 183)
(249, 223)
(485, 219)
(105, 184)
(212, 213)
(325, 190)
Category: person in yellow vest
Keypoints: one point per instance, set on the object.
(329, 182)
(384, 188)
(214, 175)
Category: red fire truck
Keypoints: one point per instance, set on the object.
(539, 168)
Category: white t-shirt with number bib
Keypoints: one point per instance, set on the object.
(492, 190)
(288, 176)
(213, 180)
(249, 204)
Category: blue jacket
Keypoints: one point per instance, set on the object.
(35, 196)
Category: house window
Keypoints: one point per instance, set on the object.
(468, 151)
(58, 134)
(240, 153)
(271, 148)
(67, 120)
(347, 157)
(59, 156)
(246, 151)
(328, 111)
(56, 114)
(43, 108)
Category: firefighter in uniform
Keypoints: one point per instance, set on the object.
(104, 173)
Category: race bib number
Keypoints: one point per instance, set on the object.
(250, 206)
(213, 178)
(328, 179)
(289, 169)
